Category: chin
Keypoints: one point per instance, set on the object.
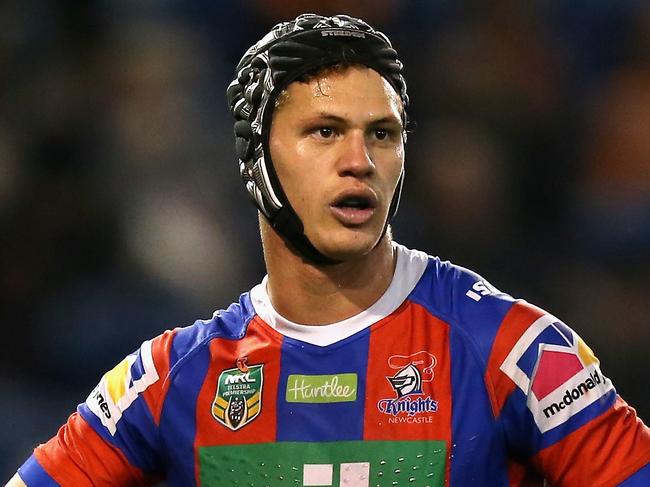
(348, 245)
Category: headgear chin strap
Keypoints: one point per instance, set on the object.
(289, 51)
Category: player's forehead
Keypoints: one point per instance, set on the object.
(355, 90)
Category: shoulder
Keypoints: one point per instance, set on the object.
(491, 320)
(144, 376)
(230, 324)
(457, 292)
(473, 308)
(172, 348)
(520, 346)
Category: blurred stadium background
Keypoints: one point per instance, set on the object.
(122, 212)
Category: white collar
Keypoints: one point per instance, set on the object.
(409, 268)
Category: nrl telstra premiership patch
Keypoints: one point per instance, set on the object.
(238, 399)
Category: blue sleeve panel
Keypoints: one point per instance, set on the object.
(34, 476)
(639, 479)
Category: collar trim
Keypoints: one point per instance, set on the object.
(409, 268)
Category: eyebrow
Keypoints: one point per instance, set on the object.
(327, 116)
(387, 119)
(335, 118)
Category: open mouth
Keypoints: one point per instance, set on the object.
(354, 208)
(354, 202)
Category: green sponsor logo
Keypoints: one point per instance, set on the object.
(322, 388)
(238, 399)
(338, 463)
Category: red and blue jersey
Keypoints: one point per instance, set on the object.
(443, 381)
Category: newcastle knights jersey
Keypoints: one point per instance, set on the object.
(443, 381)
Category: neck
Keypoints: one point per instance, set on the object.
(317, 295)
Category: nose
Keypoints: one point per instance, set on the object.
(355, 158)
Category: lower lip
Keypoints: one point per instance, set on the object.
(352, 216)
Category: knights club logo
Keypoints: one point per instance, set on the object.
(408, 380)
(412, 372)
(238, 400)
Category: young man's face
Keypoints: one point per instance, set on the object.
(336, 144)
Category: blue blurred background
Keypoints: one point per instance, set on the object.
(122, 212)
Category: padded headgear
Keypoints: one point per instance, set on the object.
(291, 50)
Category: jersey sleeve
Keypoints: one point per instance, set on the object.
(557, 409)
(112, 438)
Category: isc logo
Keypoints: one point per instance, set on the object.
(480, 289)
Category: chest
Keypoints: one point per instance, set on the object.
(383, 407)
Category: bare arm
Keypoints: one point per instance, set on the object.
(16, 481)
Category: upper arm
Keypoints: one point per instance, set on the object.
(558, 410)
(112, 439)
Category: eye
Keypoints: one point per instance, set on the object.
(326, 132)
(381, 134)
